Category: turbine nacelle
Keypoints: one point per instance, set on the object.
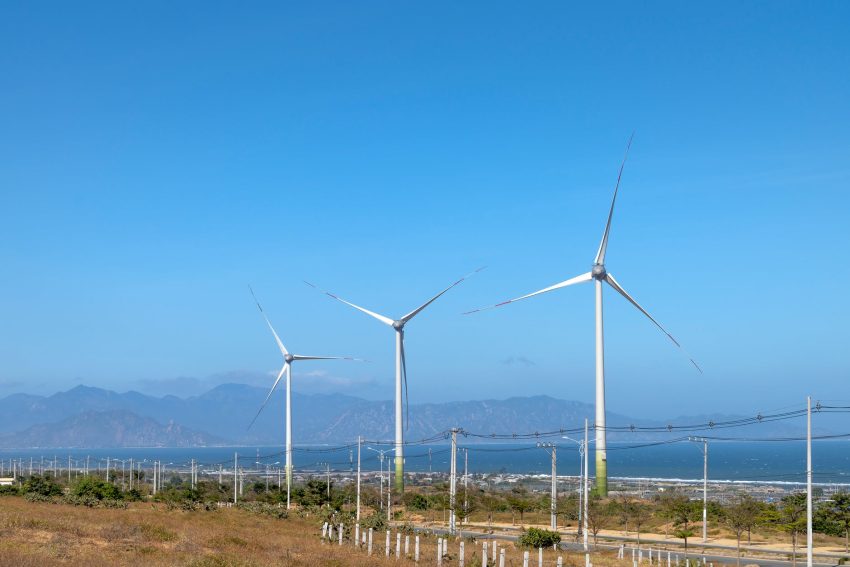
(288, 358)
(398, 325)
(598, 272)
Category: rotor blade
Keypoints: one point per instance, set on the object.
(404, 376)
(282, 348)
(613, 283)
(578, 279)
(279, 376)
(603, 246)
(380, 318)
(416, 311)
(303, 357)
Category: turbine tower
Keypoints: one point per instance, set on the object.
(286, 369)
(400, 369)
(599, 275)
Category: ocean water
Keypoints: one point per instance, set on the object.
(732, 461)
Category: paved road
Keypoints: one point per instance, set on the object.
(709, 557)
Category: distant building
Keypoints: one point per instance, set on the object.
(7, 481)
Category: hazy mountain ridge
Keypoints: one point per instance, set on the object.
(115, 428)
(222, 415)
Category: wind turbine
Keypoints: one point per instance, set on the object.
(599, 275)
(286, 369)
(400, 368)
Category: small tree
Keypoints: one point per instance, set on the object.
(597, 516)
(684, 533)
(640, 515)
(791, 518)
(839, 512)
(535, 537)
(738, 517)
(519, 502)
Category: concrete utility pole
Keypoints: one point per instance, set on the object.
(809, 481)
(586, 492)
(465, 482)
(453, 484)
(553, 520)
(704, 442)
(358, 480)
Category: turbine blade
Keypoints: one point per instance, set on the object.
(416, 311)
(282, 348)
(303, 357)
(613, 283)
(279, 376)
(380, 318)
(603, 246)
(578, 279)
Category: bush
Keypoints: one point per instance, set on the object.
(36, 497)
(535, 537)
(94, 487)
(272, 510)
(43, 485)
(9, 490)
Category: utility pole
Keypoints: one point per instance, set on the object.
(358, 481)
(236, 481)
(107, 468)
(465, 483)
(453, 484)
(704, 442)
(809, 481)
(553, 520)
(586, 492)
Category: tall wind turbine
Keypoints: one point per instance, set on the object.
(599, 275)
(400, 369)
(286, 369)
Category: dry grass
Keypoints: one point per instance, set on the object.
(45, 535)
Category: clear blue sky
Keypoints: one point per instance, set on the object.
(156, 158)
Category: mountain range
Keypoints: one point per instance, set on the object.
(94, 417)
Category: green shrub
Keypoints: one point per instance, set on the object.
(43, 485)
(535, 537)
(94, 487)
(9, 490)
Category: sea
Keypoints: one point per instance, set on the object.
(783, 462)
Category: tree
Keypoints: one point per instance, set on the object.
(684, 533)
(740, 516)
(623, 507)
(519, 502)
(535, 537)
(791, 518)
(640, 515)
(597, 515)
(839, 512)
(683, 512)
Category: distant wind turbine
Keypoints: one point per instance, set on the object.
(288, 359)
(400, 369)
(598, 274)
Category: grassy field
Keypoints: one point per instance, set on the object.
(47, 534)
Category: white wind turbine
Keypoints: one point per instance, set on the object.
(288, 359)
(400, 368)
(598, 274)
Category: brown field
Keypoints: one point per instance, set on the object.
(145, 534)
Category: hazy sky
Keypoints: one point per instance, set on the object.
(156, 158)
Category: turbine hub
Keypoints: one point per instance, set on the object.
(598, 272)
(288, 358)
(398, 325)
